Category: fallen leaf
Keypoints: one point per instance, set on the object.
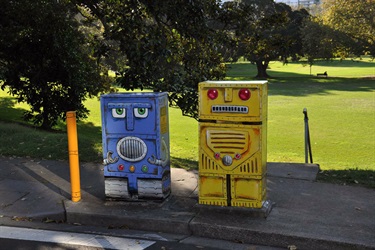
(15, 218)
(47, 220)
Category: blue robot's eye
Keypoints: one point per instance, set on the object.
(119, 113)
(141, 112)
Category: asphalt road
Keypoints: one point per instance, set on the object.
(42, 239)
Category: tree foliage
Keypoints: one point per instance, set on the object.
(45, 61)
(343, 28)
(54, 58)
(267, 31)
(167, 45)
(321, 41)
(354, 18)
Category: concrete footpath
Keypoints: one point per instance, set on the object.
(305, 214)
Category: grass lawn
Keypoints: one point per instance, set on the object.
(341, 111)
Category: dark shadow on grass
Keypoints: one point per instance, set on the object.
(341, 63)
(309, 86)
(184, 163)
(248, 71)
(7, 110)
(89, 135)
(353, 177)
(10, 114)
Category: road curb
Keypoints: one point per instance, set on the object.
(129, 217)
(158, 219)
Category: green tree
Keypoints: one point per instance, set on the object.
(354, 18)
(168, 45)
(45, 61)
(320, 41)
(268, 31)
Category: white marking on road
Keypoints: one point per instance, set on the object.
(71, 238)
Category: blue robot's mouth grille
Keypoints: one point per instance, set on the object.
(131, 148)
(229, 109)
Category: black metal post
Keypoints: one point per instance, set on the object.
(307, 138)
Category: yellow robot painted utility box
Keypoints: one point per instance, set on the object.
(232, 143)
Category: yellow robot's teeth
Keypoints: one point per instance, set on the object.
(229, 109)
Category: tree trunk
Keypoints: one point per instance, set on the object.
(262, 69)
(46, 123)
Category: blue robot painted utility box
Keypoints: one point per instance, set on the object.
(135, 137)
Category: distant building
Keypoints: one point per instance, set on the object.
(313, 6)
(307, 4)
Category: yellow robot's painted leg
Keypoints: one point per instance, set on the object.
(248, 191)
(213, 190)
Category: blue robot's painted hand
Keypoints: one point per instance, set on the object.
(109, 159)
(160, 162)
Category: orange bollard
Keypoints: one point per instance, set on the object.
(73, 155)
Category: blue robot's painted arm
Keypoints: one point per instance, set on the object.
(160, 162)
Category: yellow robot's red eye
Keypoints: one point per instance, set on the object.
(244, 94)
(212, 94)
